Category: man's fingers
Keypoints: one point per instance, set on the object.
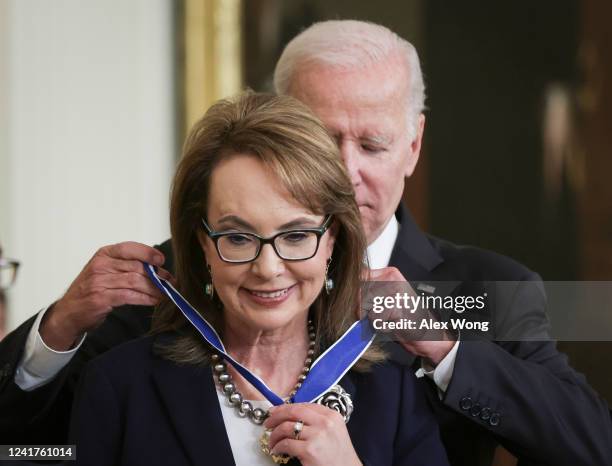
(388, 274)
(163, 273)
(131, 250)
(126, 280)
(105, 264)
(120, 297)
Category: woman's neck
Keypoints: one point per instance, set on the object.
(276, 356)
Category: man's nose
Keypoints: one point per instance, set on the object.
(268, 264)
(350, 157)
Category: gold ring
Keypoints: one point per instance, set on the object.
(297, 429)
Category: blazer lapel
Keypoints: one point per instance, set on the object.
(413, 254)
(418, 260)
(347, 384)
(191, 402)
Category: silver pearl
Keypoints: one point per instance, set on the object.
(306, 370)
(229, 388)
(220, 367)
(235, 398)
(312, 336)
(308, 362)
(225, 377)
(301, 378)
(298, 385)
(245, 408)
(258, 415)
(215, 358)
(310, 352)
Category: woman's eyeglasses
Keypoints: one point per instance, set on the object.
(8, 272)
(291, 245)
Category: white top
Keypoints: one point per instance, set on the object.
(379, 252)
(39, 363)
(243, 434)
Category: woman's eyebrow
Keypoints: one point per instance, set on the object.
(235, 221)
(305, 222)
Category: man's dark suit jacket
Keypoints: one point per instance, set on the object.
(136, 407)
(522, 394)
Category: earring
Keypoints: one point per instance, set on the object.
(329, 283)
(209, 288)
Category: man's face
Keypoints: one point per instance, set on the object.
(366, 111)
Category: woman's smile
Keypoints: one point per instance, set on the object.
(269, 297)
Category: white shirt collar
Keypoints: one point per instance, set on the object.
(379, 252)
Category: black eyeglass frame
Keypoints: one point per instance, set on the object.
(5, 262)
(216, 235)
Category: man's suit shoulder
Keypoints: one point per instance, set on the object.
(473, 263)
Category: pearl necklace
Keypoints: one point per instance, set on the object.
(244, 407)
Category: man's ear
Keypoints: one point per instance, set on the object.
(415, 147)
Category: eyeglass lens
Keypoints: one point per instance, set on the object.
(291, 245)
(8, 271)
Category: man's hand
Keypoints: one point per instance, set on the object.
(412, 340)
(114, 276)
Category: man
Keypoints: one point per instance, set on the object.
(365, 84)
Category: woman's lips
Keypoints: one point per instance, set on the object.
(270, 298)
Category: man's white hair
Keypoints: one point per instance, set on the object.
(349, 44)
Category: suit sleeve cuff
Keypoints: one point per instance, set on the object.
(39, 363)
(443, 372)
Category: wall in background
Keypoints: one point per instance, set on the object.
(4, 159)
(87, 135)
(490, 66)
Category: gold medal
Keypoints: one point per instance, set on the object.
(264, 442)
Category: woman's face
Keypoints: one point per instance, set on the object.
(268, 293)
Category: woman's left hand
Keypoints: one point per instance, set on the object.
(324, 439)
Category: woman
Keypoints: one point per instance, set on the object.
(269, 247)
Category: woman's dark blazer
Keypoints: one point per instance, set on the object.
(134, 407)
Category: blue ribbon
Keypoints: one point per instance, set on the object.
(325, 372)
